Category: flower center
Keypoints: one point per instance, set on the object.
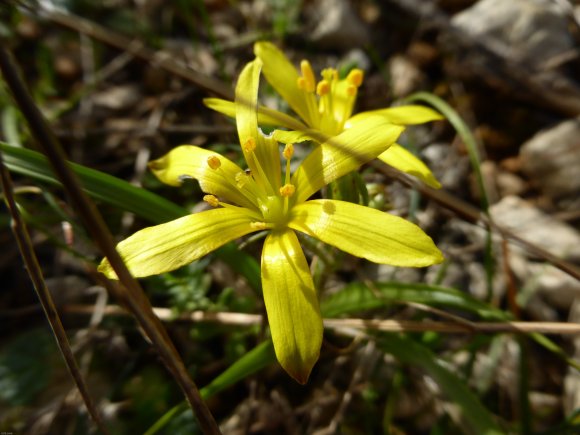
(272, 205)
(329, 102)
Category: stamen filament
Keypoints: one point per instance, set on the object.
(288, 153)
(215, 163)
(215, 202)
(261, 178)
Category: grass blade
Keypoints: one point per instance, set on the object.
(476, 417)
(97, 184)
(359, 297)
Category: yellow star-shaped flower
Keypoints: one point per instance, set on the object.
(325, 108)
(268, 197)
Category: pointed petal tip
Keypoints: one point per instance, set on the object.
(299, 372)
(301, 378)
(105, 268)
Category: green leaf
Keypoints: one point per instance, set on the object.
(256, 359)
(476, 418)
(97, 184)
(357, 297)
(25, 366)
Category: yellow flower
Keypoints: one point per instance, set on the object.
(268, 197)
(326, 107)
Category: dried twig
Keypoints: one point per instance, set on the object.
(474, 215)
(463, 327)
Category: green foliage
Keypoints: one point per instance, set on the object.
(357, 297)
(474, 417)
(25, 366)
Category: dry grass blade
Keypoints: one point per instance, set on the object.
(461, 327)
(132, 295)
(34, 271)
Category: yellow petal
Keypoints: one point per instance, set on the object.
(365, 232)
(285, 136)
(292, 305)
(191, 161)
(401, 115)
(224, 107)
(266, 116)
(266, 151)
(402, 159)
(166, 247)
(342, 154)
(283, 76)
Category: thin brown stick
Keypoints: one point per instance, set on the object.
(131, 295)
(463, 327)
(35, 272)
(474, 215)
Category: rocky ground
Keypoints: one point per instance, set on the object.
(509, 68)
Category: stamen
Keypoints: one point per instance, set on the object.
(214, 162)
(249, 145)
(288, 151)
(211, 200)
(257, 174)
(355, 77)
(323, 88)
(287, 190)
(351, 90)
(308, 74)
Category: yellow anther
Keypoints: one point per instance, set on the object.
(351, 90)
(288, 151)
(287, 190)
(211, 200)
(249, 145)
(355, 77)
(322, 88)
(308, 74)
(214, 162)
(301, 83)
(258, 225)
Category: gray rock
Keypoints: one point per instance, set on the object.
(118, 97)
(530, 31)
(556, 287)
(336, 25)
(405, 76)
(552, 159)
(537, 227)
(448, 166)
